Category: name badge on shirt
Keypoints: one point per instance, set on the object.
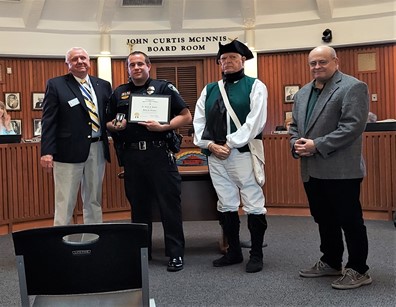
(73, 102)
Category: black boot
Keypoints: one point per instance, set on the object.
(231, 231)
(257, 225)
(223, 243)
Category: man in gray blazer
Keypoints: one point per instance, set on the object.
(73, 140)
(329, 117)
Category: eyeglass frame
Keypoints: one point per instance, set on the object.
(321, 63)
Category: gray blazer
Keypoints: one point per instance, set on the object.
(336, 126)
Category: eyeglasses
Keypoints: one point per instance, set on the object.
(321, 63)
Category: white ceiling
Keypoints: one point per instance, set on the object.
(180, 16)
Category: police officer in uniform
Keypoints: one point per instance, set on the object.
(151, 176)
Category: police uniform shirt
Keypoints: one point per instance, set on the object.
(119, 103)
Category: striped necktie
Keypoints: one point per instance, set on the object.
(86, 91)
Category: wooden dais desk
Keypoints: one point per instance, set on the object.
(198, 197)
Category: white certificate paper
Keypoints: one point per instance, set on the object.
(147, 107)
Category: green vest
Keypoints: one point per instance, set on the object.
(239, 96)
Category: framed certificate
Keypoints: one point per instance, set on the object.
(149, 107)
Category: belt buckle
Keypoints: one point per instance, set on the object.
(142, 145)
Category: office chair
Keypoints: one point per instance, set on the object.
(84, 265)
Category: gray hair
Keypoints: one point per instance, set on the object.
(72, 49)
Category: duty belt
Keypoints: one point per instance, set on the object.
(144, 145)
(96, 139)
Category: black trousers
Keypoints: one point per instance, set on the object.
(152, 179)
(336, 208)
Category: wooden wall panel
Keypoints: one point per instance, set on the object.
(23, 183)
(279, 69)
(30, 76)
(27, 192)
(4, 214)
(27, 189)
(114, 197)
(119, 72)
(212, 71)
(283, 187)
(378, 187)
(275, 69)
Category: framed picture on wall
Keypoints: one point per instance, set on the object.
(17, 125)
(12, 101)
(287, 120)
(288, 115)
(290, 90)
(37, 99)
(37, 127)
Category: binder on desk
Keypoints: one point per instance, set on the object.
(386, 125)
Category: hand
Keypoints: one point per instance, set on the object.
(47, 162)
(152, 125)
(220, 151)
(305, 147)
(118, 125)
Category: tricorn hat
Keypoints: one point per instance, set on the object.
(237, 47)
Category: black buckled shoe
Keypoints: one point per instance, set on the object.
(175, 264)
(255, 264)
(228, 259)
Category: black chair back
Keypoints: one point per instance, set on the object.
(81, 259)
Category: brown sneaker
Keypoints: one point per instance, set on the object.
(351, 280)
(320, 269)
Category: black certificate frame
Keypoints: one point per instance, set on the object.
(149, 107)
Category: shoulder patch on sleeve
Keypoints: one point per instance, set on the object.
(170, 85)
